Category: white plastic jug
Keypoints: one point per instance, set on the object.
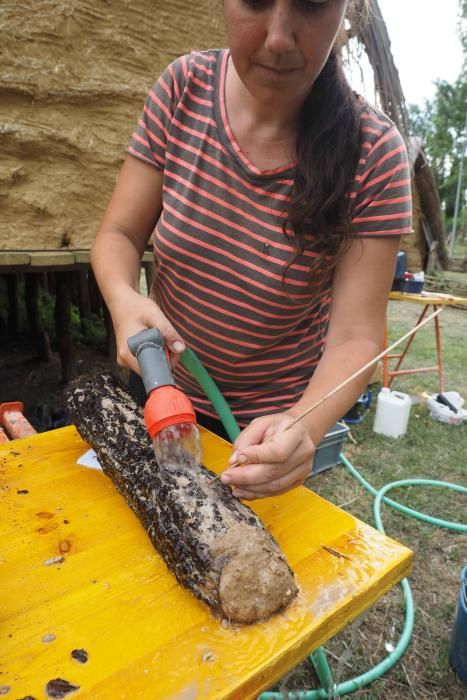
(392, 413)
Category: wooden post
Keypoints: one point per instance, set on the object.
(84, 303)
(36, 329)
(95, 298)
(62, 325)
(50, 282)
(150, 273)
(2, 318)
(13, 311)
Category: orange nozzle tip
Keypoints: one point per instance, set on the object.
(167, 406)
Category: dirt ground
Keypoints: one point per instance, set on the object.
(38, 385)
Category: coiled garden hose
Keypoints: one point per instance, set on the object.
(330, 689)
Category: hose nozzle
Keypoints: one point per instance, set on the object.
(166, 405)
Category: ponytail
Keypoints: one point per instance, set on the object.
(328, 150)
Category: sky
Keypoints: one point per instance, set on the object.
(424, 42)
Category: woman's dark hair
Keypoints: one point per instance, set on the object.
(328, 149)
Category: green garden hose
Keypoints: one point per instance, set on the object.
(318, 658)
(198, 371)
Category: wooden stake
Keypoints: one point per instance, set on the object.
(362, 369)
(62, 315)
(349, 379)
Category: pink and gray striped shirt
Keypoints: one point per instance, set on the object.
(219, 244)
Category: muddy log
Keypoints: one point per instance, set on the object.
(215, 545)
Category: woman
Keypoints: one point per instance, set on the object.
(277, 198)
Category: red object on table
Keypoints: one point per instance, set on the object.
(13, 422)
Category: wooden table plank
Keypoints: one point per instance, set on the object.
(49, 258)
(14, 258)
(39, 260)
(430, 298)
(112, 595)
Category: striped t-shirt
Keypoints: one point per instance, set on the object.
(220, 247)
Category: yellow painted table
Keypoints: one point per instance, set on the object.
(78, 572)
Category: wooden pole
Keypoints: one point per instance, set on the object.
(362, 369)
(13, 310)
(150, 274)
(63, 325)
(84, 303)
(95, 298)
(40, 335)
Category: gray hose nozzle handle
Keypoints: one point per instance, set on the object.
(149, 349)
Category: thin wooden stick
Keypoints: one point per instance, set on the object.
(362, 369)
(348, 380)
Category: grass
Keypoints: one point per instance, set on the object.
(428, 450)
(460, 247)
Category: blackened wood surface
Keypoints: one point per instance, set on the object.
(215, 545)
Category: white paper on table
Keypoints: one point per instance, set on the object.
(89, 459)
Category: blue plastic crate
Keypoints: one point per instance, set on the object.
(407, 286)
(400, 265)
(359, 410)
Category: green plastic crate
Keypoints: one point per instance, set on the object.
(327, 453)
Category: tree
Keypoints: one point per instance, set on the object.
(440, 122)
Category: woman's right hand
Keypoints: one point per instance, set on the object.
(132, 314)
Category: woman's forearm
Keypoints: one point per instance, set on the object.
(355, 331)
(116, 262)
(120, 242)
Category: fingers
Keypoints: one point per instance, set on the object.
(268, 478)
(259, 431)
(140, 313)
(273, 466)
(129, 362)
(154, 318)
(172, 339)
(275, 487)
(265, 440)
(271, 452)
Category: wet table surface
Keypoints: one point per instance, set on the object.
(79, 573)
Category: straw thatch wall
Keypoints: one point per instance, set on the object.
(73, 77)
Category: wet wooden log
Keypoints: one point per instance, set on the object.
(215, 545)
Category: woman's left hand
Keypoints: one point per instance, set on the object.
(273, 460)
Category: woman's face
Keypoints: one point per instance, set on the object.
(279, 47)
